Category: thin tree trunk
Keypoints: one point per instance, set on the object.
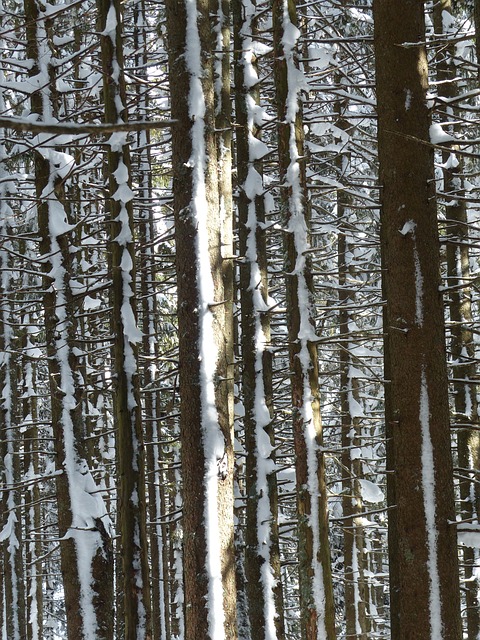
(160, 592)
(356, 592)
(128, 418)
(11, 537)
(422, 541)
(262, 556)
(464, 368)
(34, 545)
(317, 613)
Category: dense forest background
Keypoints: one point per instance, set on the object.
(239, 320)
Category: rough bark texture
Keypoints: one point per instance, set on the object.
(194, 455)
(422, 543)
(305, 389)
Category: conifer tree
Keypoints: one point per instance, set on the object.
(203, 321)
(422, 540)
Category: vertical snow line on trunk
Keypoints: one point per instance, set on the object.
(213, 442)
(428, 487)
(253, 188)
(298, 226)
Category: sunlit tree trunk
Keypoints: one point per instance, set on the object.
(204, 331)
(316, 592)
(262, 558)
(424, 589)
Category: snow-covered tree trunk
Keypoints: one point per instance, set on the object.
(422, 540)
(146, 274)
(12, 602)
(11, 535)
(83, 524)
(177, 619)
(136, 606)
(262, 558)
(205, 422)
(31, 469)
(317, 613)
(356, 592)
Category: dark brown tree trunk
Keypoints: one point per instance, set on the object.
(422, 541)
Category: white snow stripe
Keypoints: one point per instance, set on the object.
(429, 502)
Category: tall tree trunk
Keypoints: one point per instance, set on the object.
(11, 536)
(205, 422)
(317, 612)
(128, 417)
(12, 602)
(464, 368)
(262, 556)
(422, 541)
(356, 592)
(147, 272)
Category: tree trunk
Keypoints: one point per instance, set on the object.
(464, 370)
(262, 555)
(33, 516)
(356, 592)
(317, 613)
(422, 542)
(128, 418)
(11, 536)
(204, 353)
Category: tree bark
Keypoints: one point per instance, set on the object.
(464, 370)
(205, 421)
(317, 614)
(422, 542)
(262, 556)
